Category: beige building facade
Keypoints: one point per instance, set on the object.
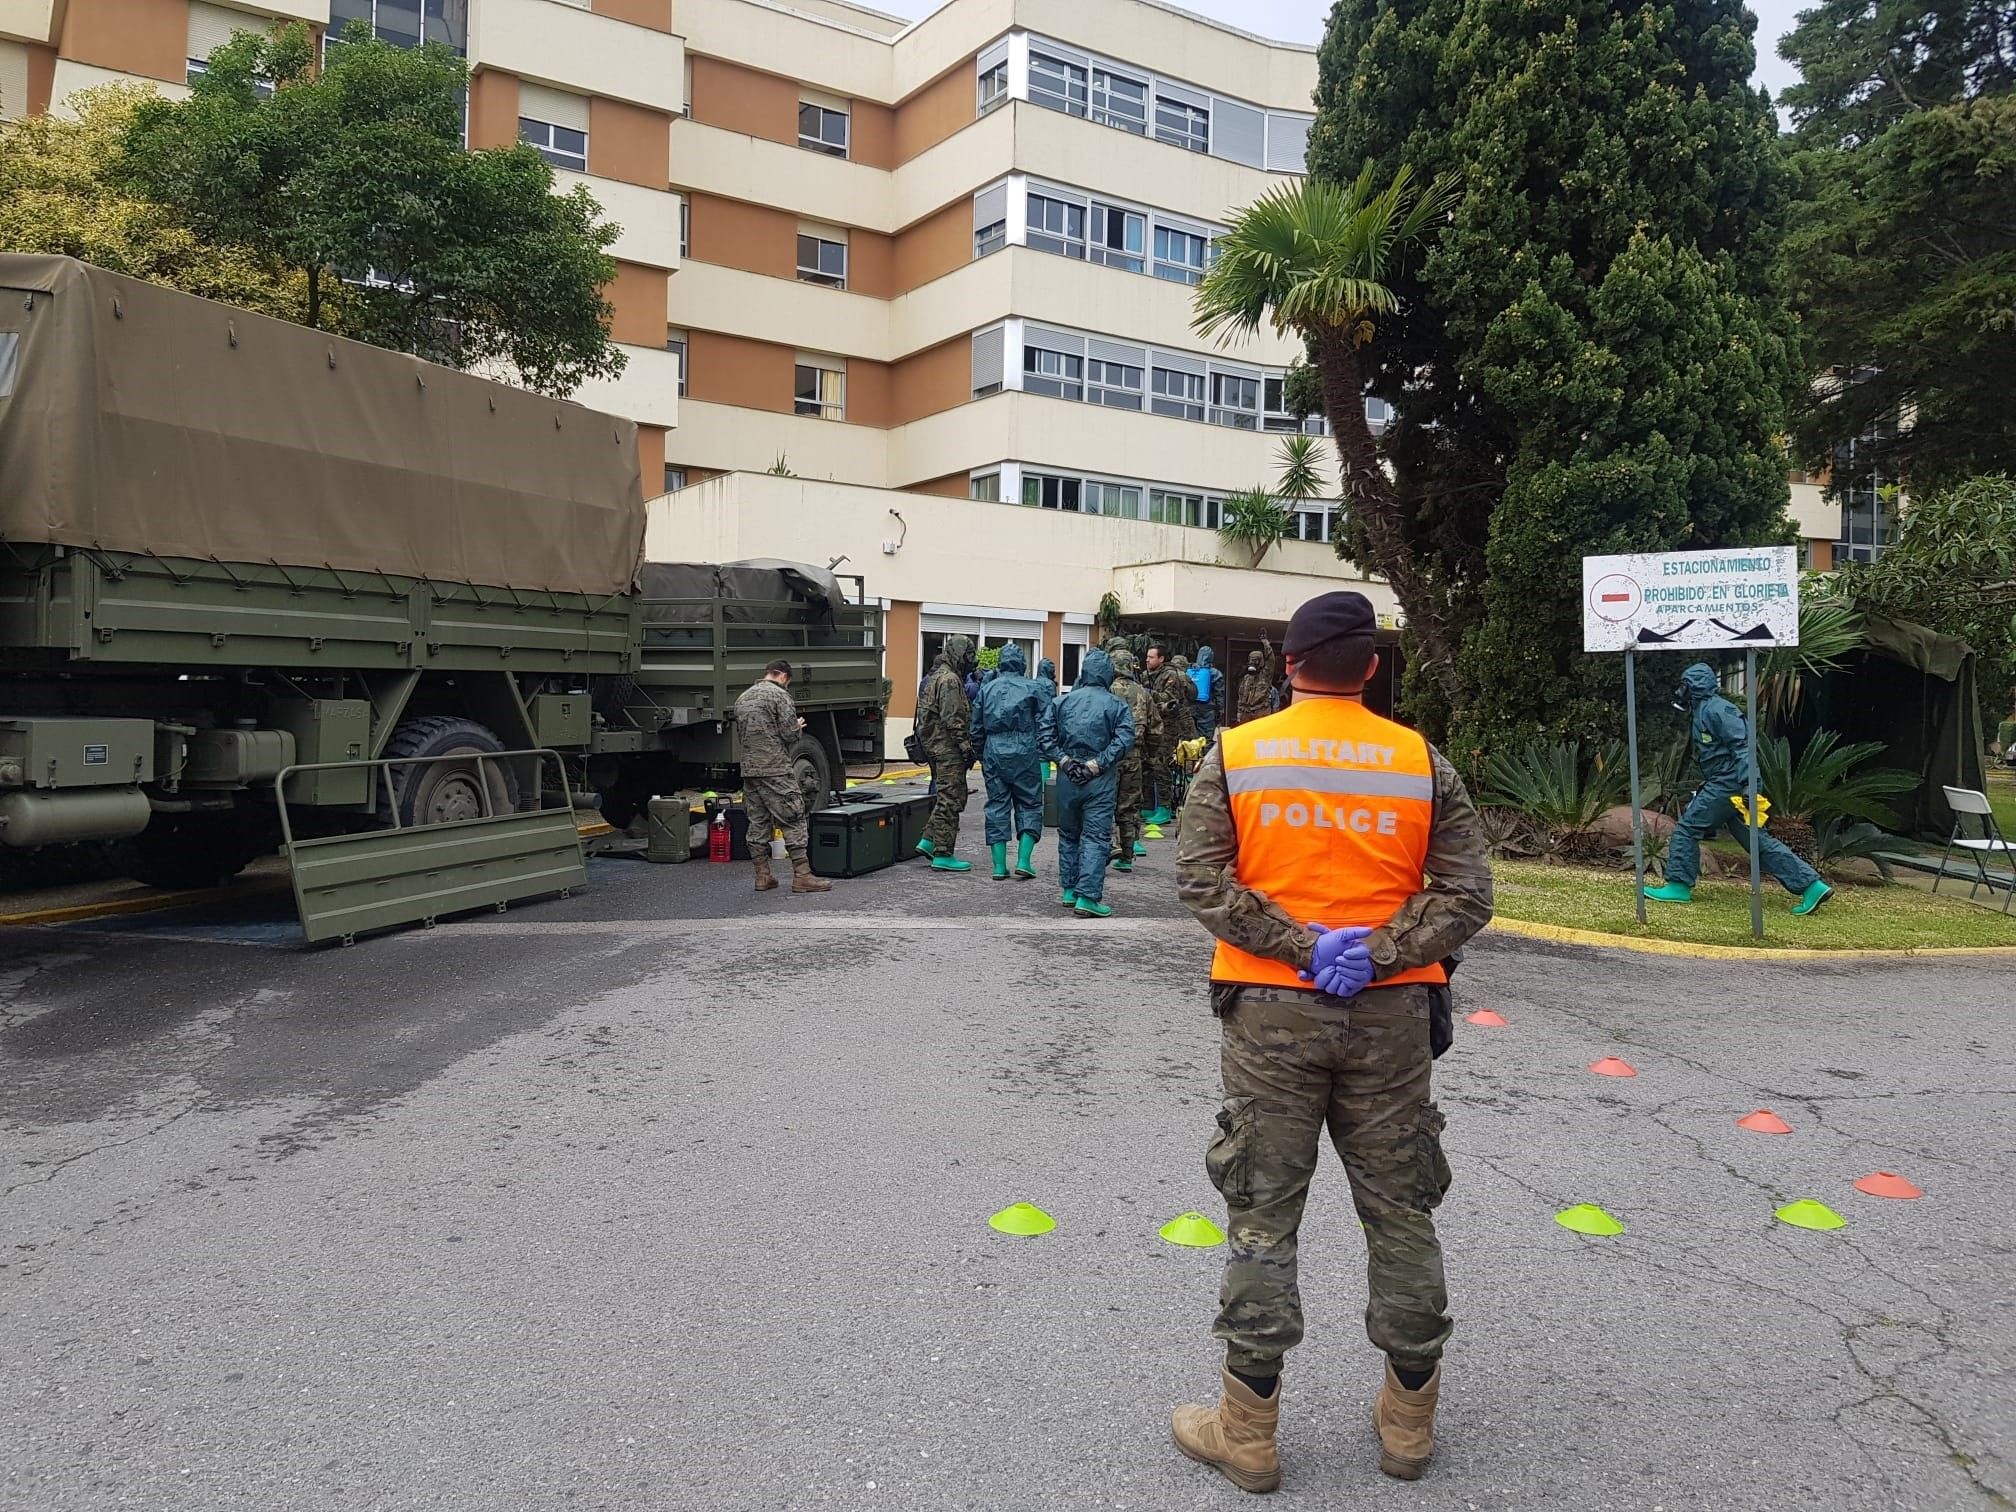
(940, 273)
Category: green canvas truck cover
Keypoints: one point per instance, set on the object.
(136, 418)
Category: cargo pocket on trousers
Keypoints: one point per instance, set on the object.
(1229, 1161)
(1431, 1127)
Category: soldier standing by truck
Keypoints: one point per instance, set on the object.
(944, 718)
(768, 724)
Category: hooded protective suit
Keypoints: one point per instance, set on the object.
(1007, 717)
(1719, 738)
(1256, 688)
(1088, 724)
(1210, 691)
(1046, 677)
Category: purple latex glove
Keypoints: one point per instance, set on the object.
(1340, 964)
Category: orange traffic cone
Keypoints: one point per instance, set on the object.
(1764, 1121)
(1611, 1066)
(1887, 1184)
(1484, 1018)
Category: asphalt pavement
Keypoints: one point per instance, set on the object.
(669, 1196)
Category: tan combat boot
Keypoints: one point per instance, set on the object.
(802, 880)
(1406, 1423)
(761, 861)
(1236, 1436)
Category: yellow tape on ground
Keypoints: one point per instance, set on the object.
(1563, 935)
(153, 902)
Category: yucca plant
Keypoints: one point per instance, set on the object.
(1556, 788)
(1830, 628)
(1822, 786)
(1253, 521)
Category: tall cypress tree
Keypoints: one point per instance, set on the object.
(1595, 356)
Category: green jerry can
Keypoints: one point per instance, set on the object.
(854, 838)
(669, 830)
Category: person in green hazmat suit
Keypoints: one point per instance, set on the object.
(1006, 717)
(1719, 738)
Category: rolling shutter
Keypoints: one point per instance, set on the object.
(1239, 132)
(989, 357)
(990, 205)
(1287, 143)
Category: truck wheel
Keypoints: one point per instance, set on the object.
(178, 852)
(445, 791)
(814, 772)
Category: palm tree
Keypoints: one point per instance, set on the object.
(1311, 258)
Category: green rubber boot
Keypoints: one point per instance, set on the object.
(1000, 854)
(926, 848)
(950, 863)
(1089, 909)
(1069, 899)
(1025, 854)
(1670, 892)
(1159, 816)
(1140, 849)
(1122, 865)
(1812, 898)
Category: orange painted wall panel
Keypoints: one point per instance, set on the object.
(493, 108)
(638, 296)
(651, 459)
(934, 246)
(871, 134)
(145, 37)
(870, 394)
(629, 144)
(951, 486)
(947, 104)
(742, 99)
(725, 369)
(656, 14)
(901, 633)
(732, 234)
(41, 78)
(936, 379)
(871, 264)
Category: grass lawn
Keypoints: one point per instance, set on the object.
(1856, 918)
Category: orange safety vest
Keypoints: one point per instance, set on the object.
(1333, 807)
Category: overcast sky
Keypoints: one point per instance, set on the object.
(1302, 21)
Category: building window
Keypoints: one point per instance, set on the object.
(993, 86)
(1119, 501)
(1119, 237)
(1179, 255)
(1056, 85)
(685, 226)
(562, 146)
(821, 392)
(1056, 226)
(404, 23)
(1181, 125)
(821, 261)
(1167, 507)
(1378, 415)
(1120, 101)
(1180, 395)
(1275, 416)
(1235, 401)
(990, 238)
(675, 343)
(1114, 384)
(1059, 374)
(675, 478)
(822, 129)
(985, 489)
(1042, 491)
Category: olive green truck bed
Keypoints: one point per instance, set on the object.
(260, 586)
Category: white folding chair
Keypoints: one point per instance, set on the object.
(1965, 801)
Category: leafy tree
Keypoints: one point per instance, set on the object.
(1313, 258)
(1594, 356)
(59, 193)
(355, 175)
(1953, 568)
(1903, 253)
(1255, 521)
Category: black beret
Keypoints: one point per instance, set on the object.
(1328, 618)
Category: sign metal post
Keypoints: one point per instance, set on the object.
(1740, 597)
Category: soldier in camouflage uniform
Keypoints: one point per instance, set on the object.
(944, 718)
(1296, 1062)
(1256, 688)
(1173, 693)
(767, 727)
(1147, 729)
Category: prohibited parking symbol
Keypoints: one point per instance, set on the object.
(1615, 597)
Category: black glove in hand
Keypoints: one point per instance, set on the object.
(1077, 771)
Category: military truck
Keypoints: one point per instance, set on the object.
(262, 585)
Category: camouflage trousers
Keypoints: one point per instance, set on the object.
(1158, 776)
(948, 801)
(774, 803)
(1127, 817)
(1295, 1064)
